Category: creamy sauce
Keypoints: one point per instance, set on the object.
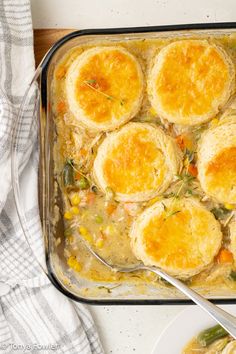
(102, 221)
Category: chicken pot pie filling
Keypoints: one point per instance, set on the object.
(211, 340)
(147, 167)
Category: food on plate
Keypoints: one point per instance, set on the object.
(138, 162)
(104, 87)
(213, 340)
(180, 236)
(191, 80)
(217, 161)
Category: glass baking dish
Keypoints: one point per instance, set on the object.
(50, 200)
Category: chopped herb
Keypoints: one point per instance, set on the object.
(220, 213)
(92, 81)
(189, 192)
(175, 212)
(109, 290)
(105, 288)
(95, 89)
(172, 213)
(189, 154)
(169, 195)
(164, 206)
(186, 177)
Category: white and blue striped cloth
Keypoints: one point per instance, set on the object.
(34, 316)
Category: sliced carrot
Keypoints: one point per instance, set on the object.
(110, 208)
(225, 256)
(192, 170)
(78, 175)
(184, 141)
(61, 107)
(180, 141)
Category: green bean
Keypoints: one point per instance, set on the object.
(210, 335)
(68, 175)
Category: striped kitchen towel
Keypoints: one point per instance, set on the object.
(34, 316)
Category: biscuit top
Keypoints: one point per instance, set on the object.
(221, 173)
(217, 161)
(180, 236)
(136, 162)
(105, 84)
(191, 79)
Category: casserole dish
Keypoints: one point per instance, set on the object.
(51, 198)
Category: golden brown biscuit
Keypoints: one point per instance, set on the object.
(137, 162)
(217, 161)
(104, 87)
(178, 235)
(190, 81)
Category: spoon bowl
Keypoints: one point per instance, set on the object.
(226, 320)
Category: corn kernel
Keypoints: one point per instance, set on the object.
(74, 264)
(99, 243)
(75, 199)
(78, 267)
(74, 210)
(68, 215)
(229, 206)
(83, 231)
(71, 261)
(88, 237)
(152, 111)
(214, 122)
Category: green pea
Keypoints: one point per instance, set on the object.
(83, 183)
(98, 219)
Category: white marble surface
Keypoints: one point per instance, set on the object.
(132, 329)
(119, 13)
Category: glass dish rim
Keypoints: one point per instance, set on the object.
(43, 66)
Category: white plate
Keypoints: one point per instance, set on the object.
(185, 326)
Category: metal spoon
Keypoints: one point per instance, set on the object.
(227, 321)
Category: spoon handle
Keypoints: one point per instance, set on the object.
(227, 321)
